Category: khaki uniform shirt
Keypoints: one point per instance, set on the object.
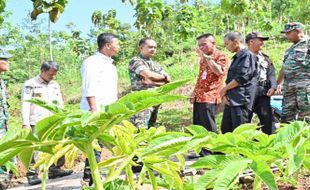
(38, 88)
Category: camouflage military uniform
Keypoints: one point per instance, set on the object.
(4, 114)
(296, 70)
(147, 117)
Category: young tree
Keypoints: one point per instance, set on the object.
(54, 8)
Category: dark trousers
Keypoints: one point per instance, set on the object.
(234, 116)
(204, 115)
(263, 110)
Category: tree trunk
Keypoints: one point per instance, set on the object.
(50, 39)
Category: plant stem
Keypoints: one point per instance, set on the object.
(94, 168)
(44, 177)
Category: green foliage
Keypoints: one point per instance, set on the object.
(249, 148)
(58, 134)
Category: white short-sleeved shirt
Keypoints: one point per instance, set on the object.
(99, 80)
(38, 88)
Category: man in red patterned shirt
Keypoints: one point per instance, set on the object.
(206, 96)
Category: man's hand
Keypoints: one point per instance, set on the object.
(271, 92)
(223, 92)
(167, 79)
(200, 54)
(192, 99)
(225, 100)
(279, 89)
(27, 127)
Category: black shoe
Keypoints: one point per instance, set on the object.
(32, 178)
(192, 156)
(57, 172)
(204, 152)
(87, 178)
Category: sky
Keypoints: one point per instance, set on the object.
(77, 11)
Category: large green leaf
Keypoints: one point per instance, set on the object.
(26, 157)
(197, 130)
(228, 176)
(112, 161)
(264, 173)
(54, 108)
(116, 173)
(207, 179)
(290, 132)
(296, 158)
(216, 161)
(45, 126)
(168, 142)
(171, 86)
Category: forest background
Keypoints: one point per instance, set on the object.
(173, 25)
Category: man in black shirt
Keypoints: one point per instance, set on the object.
(266, 85)
(238, 94)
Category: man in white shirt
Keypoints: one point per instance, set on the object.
(99, 82)
(43, 87)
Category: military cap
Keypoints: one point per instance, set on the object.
(292, 26)
(254, 35)
(4, 54)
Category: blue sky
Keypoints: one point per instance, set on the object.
(77, 11)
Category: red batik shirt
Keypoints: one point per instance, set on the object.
(209, 85)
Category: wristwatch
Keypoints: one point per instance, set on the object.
(208, 57)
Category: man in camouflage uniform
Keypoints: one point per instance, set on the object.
(144, 74)
(4, 113)
(295, 73)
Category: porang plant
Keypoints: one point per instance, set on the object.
(247, 148)
(69, 130)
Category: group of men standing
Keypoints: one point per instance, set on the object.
(250, 82)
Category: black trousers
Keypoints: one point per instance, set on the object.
(263, 110)
(233, 116)
(204, 115)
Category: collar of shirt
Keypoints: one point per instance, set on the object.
(304, 39)
(143, 57)
(42, 81)
(104, 57)
(239, 53)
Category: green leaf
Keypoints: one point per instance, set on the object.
(171, 86)
(257, 185)
(246, 128)
(264, 173)
(290, 132)
(54, 108)
(296, 158)
(112, 161)
(167, 144)
(45, 126)
(207, 179)
(26, 157)
(116, 173)
(197, 130)
(217, 161)
(152, 177)
(228, 175)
